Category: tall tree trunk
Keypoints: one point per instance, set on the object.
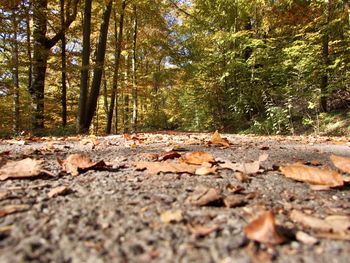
(64, 68)
(98, 69)
(134, 84)
(324, 77)
(15, 74)
(325, 58)
(84, 72)
(126, 96)
(29, 46)
(114, 100)
(42, 46)
(40, 57)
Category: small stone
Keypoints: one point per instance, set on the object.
(306, 238)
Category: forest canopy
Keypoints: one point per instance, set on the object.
(113, 66)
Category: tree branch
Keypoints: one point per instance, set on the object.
(70, 18)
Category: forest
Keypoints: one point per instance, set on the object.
(120, 66)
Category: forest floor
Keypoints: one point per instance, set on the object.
(154, 198)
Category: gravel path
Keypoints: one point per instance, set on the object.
(116, 215)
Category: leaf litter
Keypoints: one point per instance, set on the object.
(77, 163)
(262, 230)
(26, 168)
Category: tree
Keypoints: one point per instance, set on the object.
(118, 39)
(91, 103)
(41, 49)
(84, 75)
(134, 81)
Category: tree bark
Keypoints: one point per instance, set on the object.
(98, 69)
(64, 68)
(134, 80)
(126, 96)
(114, 101)
(15, 74)
(84, 72)
(42, 46)
(325, 58)
(29, 46)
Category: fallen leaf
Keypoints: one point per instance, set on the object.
(332, 227)
(170, 216)
(76, 163)
(235, 189)
(169, 155)
(202, 231)
(11, 209)
(339, 222)
(3, 195)
(342, 163)
(242, 177)
(205, 171)
(218, 140)
(263, 229)
(310, 221)
(312, 175)
(26, 168)
(165, 167)
(232, 201)
(93, 141)
(205, 196)
(198, 158)
(246, 168)
(5, 230)
(60, 190)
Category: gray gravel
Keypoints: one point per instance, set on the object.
(114, 216)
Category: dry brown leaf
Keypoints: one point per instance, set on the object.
(168, 155)
(342, 163)
(339, 222)
(60, 190)
(76, 163)
(310, 221)
(198, 158)
(25, 168)
(312, 175)
(246, 168)
(234, 201)
(205, 196)
(263, 229)
(218, 140)
(5, 230)
(11, 209)
(202, 231)
(170, 216)
(165, 167)
(205, 170)
(332, 227)
(3, 195)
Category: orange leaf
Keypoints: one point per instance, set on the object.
(198, 158)
(205, 196)
(10, 209)
(312, 175)
(25, 168)
(342, 163)
(217, 139)
(263, 229)
(79, 162)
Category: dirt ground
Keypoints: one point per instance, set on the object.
(117, 215)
